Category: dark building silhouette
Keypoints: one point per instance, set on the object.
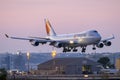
(77, 65)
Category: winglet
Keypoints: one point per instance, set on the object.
(6, 35)
(113, 36)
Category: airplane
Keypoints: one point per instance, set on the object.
(69, 42)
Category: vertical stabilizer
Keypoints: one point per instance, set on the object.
(50, 31)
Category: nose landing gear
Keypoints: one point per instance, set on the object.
(94, 48)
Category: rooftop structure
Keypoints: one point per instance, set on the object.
(73, 65)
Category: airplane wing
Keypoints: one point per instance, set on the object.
(17, 37)
(107, 39)
(38, 39)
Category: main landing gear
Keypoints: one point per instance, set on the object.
(69, 49)
(83, 49)
(65, 49)
(75, 50)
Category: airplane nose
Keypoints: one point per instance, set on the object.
(99, 37)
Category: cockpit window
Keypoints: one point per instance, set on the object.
(95, 31)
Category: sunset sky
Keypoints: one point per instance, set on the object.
(24, 18)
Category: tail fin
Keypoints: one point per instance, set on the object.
(50, 31)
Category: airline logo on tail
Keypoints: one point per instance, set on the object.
(48, 27)
(50, 31)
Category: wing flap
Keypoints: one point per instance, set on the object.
(40, 38)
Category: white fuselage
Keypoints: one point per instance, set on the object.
(79, 39)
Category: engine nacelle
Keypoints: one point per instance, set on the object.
(34, 43)
(58, 45)
(107, 43)
(100, 45)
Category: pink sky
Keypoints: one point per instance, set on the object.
(25, 18)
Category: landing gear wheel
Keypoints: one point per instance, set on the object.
(75, 50)
(83, 49)
(68, 50)
(94, 48)
(65, 50)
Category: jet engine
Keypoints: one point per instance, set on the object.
(107, 43)
(100, 45)
(34, 43)
(58, 45)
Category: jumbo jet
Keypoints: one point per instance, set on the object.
(69, 42)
